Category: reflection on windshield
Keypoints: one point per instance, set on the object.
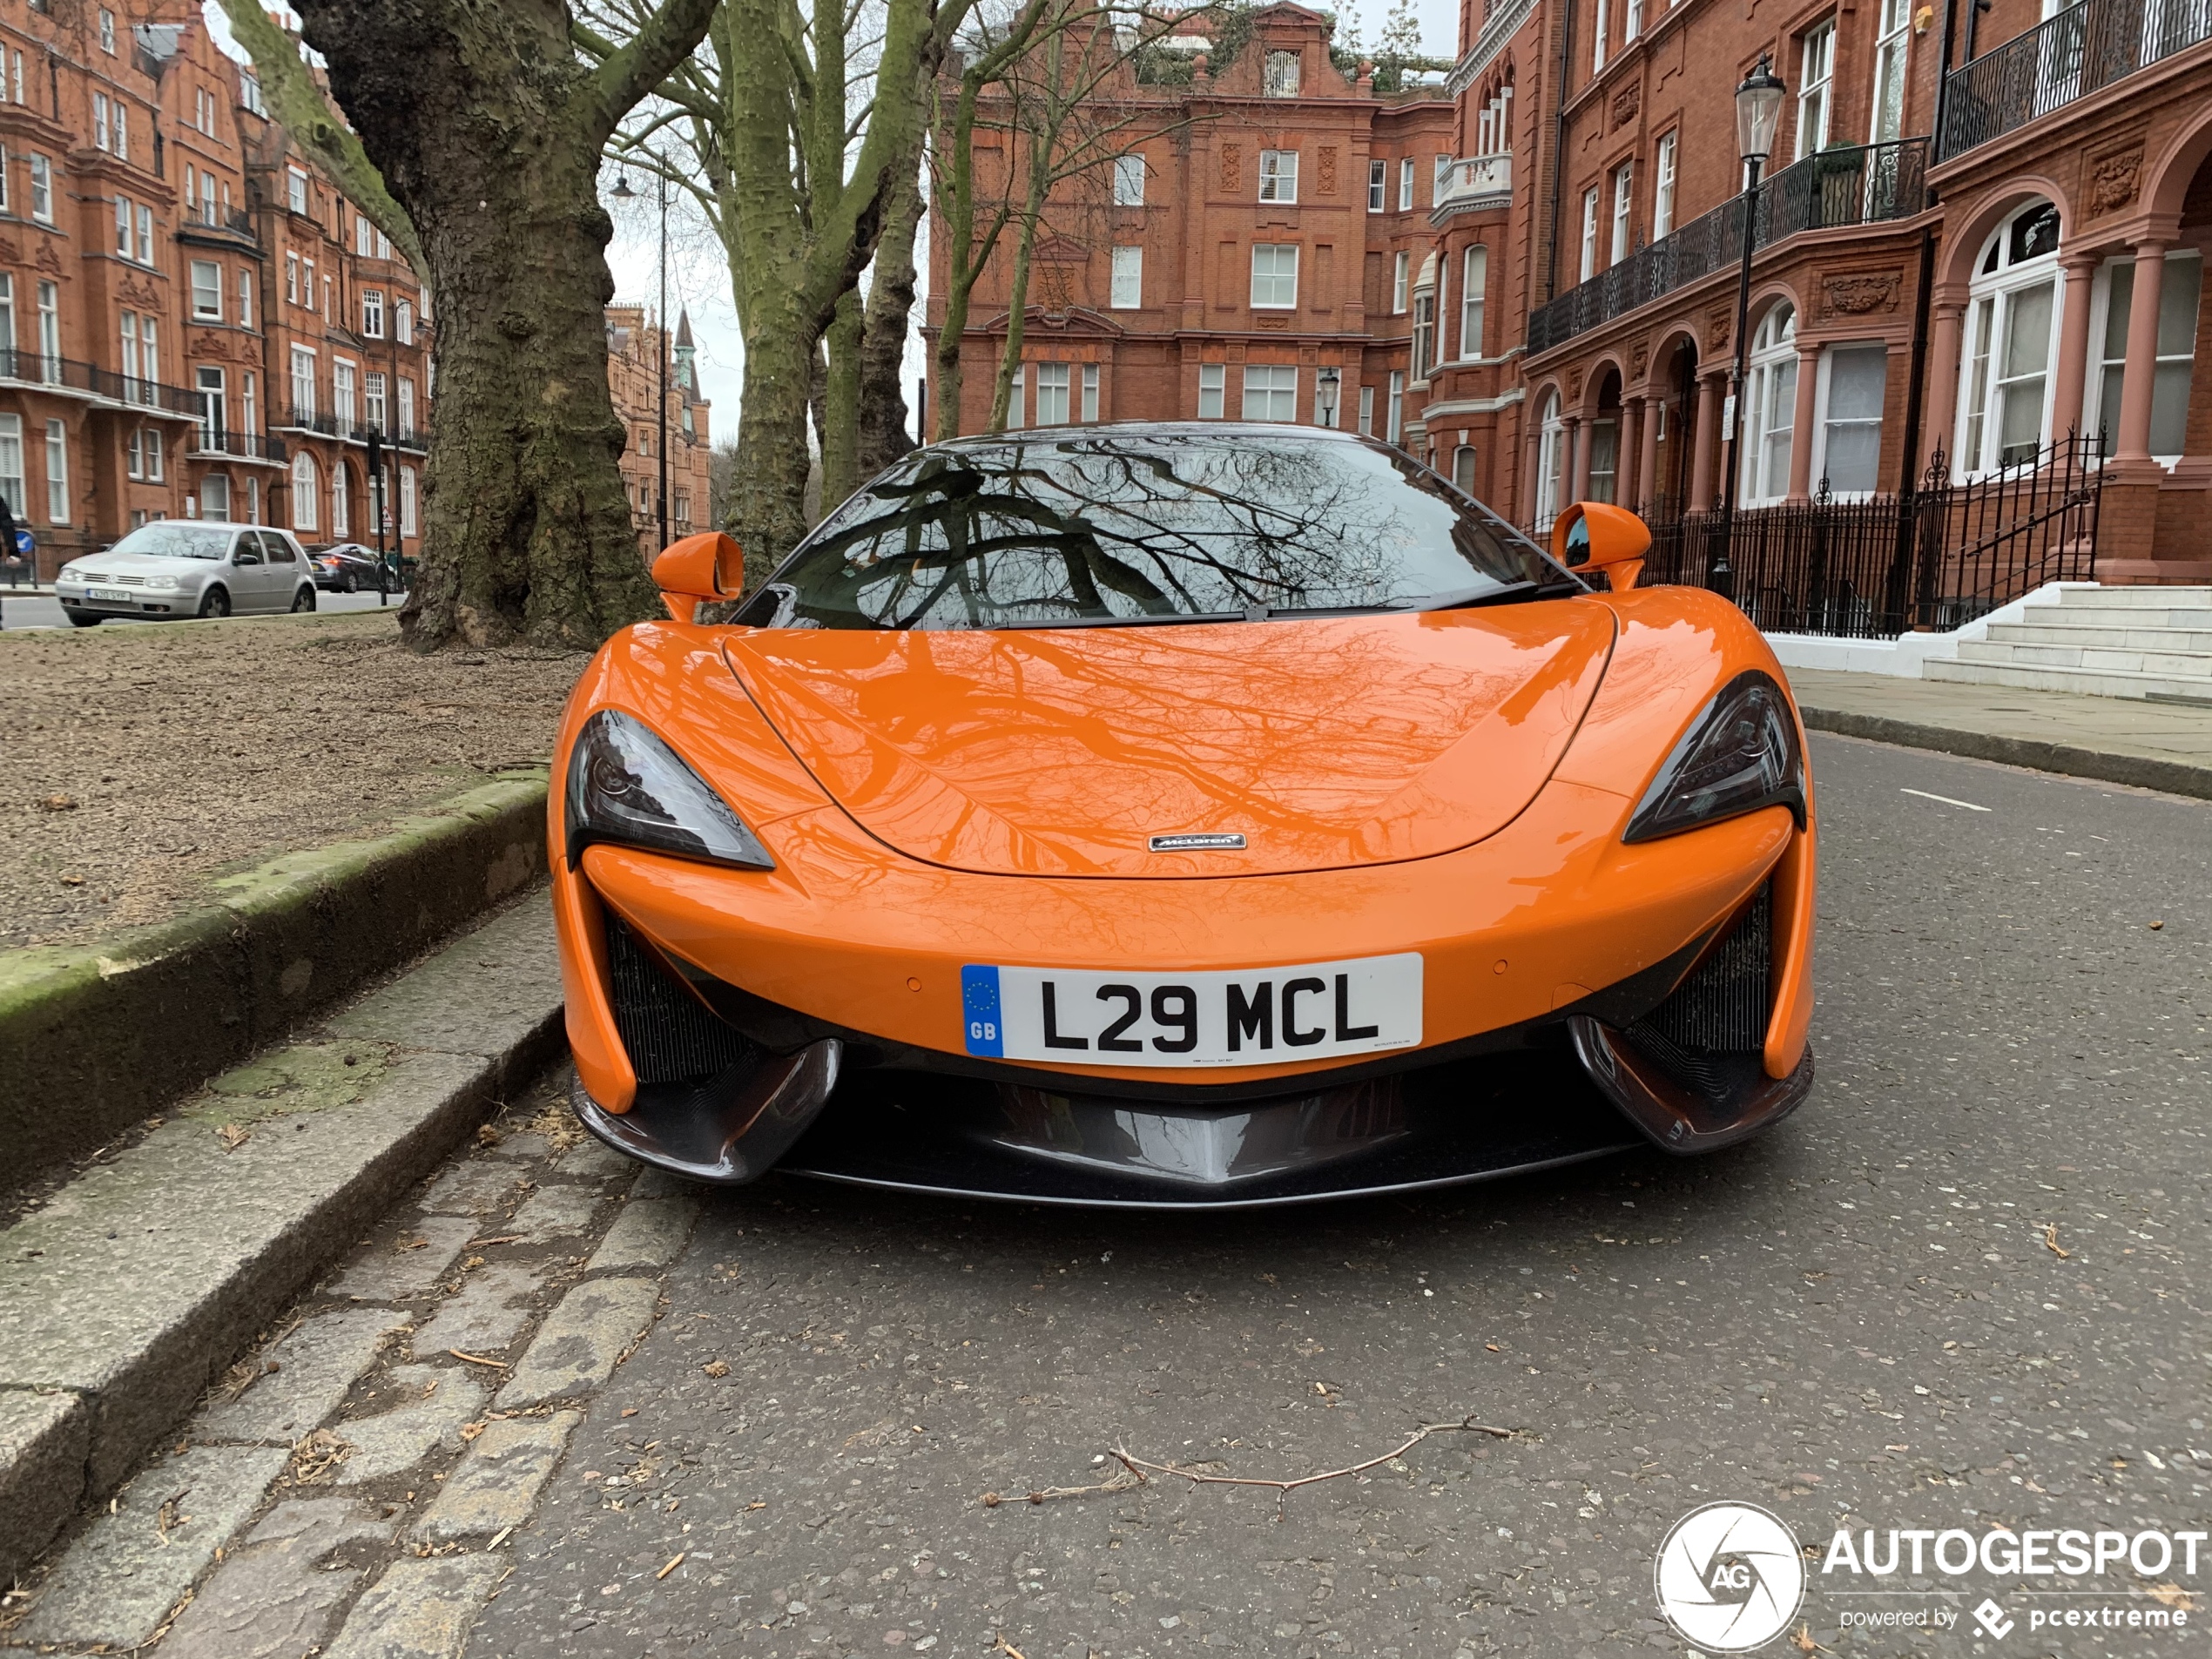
(1104, 526)
(167, 540)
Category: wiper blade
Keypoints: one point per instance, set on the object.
(1511, 593)
(1143, 619)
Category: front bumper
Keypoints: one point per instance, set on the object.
(143, 603)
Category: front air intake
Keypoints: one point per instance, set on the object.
(1725, 1007)
(669, 1035)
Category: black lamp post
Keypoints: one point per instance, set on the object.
(623, 192)
(1758, 110)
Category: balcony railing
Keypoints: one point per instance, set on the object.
(1473, 184)
(242, 446)
(67, 373)
(2067, 56)
(237, 222)
(300, 418)
(1850, 185)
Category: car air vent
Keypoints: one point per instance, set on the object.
(1723, 1007)
(669, 1037)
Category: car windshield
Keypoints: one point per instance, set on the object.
(1105, 527)
(167, 539)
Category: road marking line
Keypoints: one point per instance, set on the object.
(1945, 800)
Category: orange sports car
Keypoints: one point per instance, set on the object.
(1181, 815)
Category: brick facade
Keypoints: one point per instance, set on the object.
(634, 375)
(1597, 181)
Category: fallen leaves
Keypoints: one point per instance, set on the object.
(2051, 1242)
(715, 1368)
(61, 804)
(674, 1561)
(169, 1516)
(478, 1359)
(317, 1456)
(2171, 1595)
(233, 1136)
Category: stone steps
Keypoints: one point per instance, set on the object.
(2116, 633)
(2104, 642)
(2082, 681)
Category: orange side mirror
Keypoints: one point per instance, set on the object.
(1597, 534)
(700, 570)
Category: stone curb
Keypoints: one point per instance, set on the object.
(123, 1298)
(94, 1037)
(2141, 771)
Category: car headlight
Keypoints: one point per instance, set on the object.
(69, 573)
(1739, 755)
(161, 585)
(628, 787)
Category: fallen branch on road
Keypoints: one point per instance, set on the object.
(1137, 1469)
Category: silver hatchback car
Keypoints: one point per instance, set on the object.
(182, 567)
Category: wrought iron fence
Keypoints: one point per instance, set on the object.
(2066, 57)
(40, 369)
(247, 446)
(1860, 183)
(1936, 558)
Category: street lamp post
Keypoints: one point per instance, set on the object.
(1759, 110)
(623, 192)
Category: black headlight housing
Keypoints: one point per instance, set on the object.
(627, 787)
(1739, 755)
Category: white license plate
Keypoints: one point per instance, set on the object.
(124, 594)
(1258, 1016)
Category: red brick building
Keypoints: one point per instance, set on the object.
(1565, 316)
(641, 360)
(163, 350)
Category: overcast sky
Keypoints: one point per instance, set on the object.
(698, 280)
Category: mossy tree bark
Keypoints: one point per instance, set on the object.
(883, 437)
(487, 130)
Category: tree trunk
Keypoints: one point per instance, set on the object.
(488, 131)
(841, 402)
(1017, 301)
(882, 435)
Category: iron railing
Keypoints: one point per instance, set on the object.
(247, 446)
(300, 418)
(1860, 184)
(1937, 558)
(67, 373)
(2078, 51)
(236, 222)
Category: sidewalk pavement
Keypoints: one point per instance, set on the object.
(2113, 739)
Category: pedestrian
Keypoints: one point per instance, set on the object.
(7, 539)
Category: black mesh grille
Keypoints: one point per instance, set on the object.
(669, 1037)
(1723, 1006)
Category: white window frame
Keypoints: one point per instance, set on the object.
(1623, 209)
(1825, 423)
(1816, 86)
(1632, 22)
(1280, 74)
(341, 502)
(1551, 463)
(303, 360)
(2106, 370)
(1394, 408)
(1274, 276)
(403, 321)
(1423, 357)
(1378, 186)
(41, 188)
(306, 492)
(57, 473)
(245, 297)
(100, 120)
(1213, 383)
(1125, 284)
(1892, 50)
(1985, 391)
(1588, 267)
(1367, 411)
(152, 455)
(143, 252)
(1129, 181)
(11, 482)
(1440, 178)
(1605, 458)
(1474, 289)
(372, 313)
(344, 387)
(1597, 37)
(408, 518)
(1053, 387)
(213, 271)
(1270, 393)
(1017, 398)
(295, 190)
(1401, 282)
(1404, 184)
(49, 331)
(1278, 176)
(1770, 410)
(1663, 192)
(1091, 392)
(107, 31)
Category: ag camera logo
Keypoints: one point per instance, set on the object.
(1730, 1577)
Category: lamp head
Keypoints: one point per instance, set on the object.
(1758, 111)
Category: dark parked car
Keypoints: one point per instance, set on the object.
(343, 567)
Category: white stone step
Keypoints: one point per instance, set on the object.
(2114, 616)
(2119, 631)
(2152, 599)
(2081, 682)
(2175, 664)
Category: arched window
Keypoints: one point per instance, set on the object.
(340, 502)
(1770, 405)
(2011, 337)
(306, 493)
(1463, 467)
(1551, 464)
(1425, 352)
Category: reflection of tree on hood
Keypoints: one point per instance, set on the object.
(1035, 529)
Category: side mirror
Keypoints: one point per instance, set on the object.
(700, 570)
(1598, 536)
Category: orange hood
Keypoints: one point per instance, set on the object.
(1326, 742)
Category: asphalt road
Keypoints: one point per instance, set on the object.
(1965, 1287)
(43, 610)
